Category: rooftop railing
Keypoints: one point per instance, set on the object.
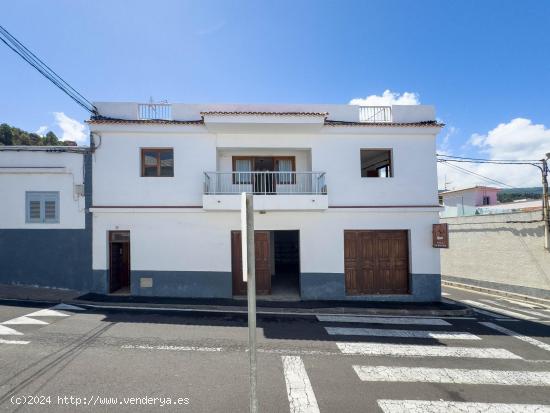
(265, 183)
(155, 111)
(375, 114)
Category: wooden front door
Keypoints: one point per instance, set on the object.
(263, 267)
(376, 262)
(119, 260)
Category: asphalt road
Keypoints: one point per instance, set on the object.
(80, 360)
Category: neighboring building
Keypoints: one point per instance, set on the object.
(345, 198)
(465, 202)
(519, 205)
(45, 232)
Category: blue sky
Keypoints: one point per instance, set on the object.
(481, 63)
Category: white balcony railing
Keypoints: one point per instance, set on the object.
(265, 183)
(375, 114)
(155, 111)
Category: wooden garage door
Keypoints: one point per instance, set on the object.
(376, 262)
(263, 268)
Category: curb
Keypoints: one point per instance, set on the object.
(521, 297)
(271, 311)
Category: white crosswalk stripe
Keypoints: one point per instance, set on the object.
(453, 376)
(299, 390)
(405, 350)
(47, 313)
(440, 406)
(24, 320)
(382, 320)
(378, 332)
(519, 336)
(7, 331)
(63, 306)
(2, 341)
(498, 310)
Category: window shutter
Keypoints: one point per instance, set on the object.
(50, 210)
(34, 210)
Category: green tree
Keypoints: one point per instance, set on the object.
(6, 134)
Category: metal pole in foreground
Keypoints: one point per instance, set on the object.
(545, 206)
(249, 275)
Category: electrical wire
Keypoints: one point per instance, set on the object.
(481, 160)
(464, 170)
(16, 46)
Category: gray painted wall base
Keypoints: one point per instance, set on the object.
(58, 258)
(331, 286)
(199, 284)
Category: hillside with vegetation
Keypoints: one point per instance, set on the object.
(511, 194)
(12, 136)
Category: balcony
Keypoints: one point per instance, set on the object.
(375, 114)
(274, 190)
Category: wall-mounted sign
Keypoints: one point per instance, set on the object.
(440, 234)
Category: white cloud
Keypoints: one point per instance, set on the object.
(516, 140)
(388, 98)
(72, 129)
(42, 130)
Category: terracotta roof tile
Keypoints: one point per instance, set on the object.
(430, 123)
(105, 120)
(222, 113)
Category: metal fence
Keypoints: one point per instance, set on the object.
(265, 183)
(155, 111)
(374, 114)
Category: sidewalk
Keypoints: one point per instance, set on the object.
(12, 293)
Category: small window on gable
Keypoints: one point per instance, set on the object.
(486, 200)
(376, 163)
(42, 207)
(157, 162)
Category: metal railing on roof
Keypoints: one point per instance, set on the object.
(375, 114)
(154, 111)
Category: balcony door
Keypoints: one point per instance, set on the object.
(264, 182)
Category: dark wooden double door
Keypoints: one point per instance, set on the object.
(263, 263)
(376, 262)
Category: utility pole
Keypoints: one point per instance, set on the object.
(545, 212)
(249, 276)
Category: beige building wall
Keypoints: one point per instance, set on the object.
(504, 251)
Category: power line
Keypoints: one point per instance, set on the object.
(464, 170)
(512, 161)
(15, 45)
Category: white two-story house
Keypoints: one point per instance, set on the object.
(345, 198)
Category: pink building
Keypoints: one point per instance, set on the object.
(461, 202)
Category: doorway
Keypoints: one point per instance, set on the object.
(264, 182)
(285, 279)
(119, 262)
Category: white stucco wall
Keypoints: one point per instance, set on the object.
(336, 151)
(196, 240)
(40, 171)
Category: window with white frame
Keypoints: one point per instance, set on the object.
(42, 207)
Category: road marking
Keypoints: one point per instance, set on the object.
(378, 332)
(13, 342)
(47, 313)
(440, 406)
(453, 376)
(298, 387)
(519, 336)
(445, 294)
(6, 331)
(382, 320)
(521, 303)
(535, 313)
(63, 306)
(404, 350)
(171, 348)
(24, 320)
(498, 310)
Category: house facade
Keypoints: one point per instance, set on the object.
(45, 226)
(345, 198)
(467, 201)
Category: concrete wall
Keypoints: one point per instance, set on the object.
(48, 255)
(495, 252)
